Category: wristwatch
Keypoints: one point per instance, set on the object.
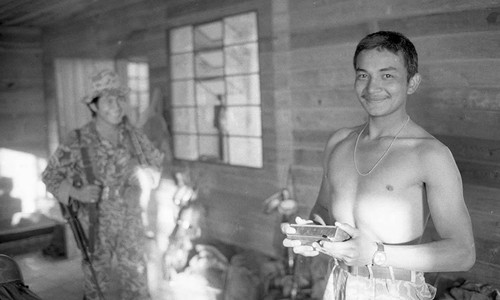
(379, 256)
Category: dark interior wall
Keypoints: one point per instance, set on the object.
(22, 109)
(458, 99)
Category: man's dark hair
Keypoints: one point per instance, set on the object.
(394, 42)
(95, 101)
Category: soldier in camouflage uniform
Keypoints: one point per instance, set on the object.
(122, 170)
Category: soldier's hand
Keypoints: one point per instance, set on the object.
(89, 193)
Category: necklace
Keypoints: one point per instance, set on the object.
(383, 155)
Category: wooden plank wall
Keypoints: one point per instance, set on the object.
(22, 109)
(306, 50)
(458, 100)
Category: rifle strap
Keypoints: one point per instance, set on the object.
(91, 179)
(136, 146)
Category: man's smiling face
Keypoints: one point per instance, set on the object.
(381, 81)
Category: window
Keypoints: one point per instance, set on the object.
(138, 82)
(215, 91)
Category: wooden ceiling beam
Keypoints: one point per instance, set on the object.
(43, 8)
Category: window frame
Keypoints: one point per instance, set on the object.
(196, 79)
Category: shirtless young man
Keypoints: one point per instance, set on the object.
(381, 181)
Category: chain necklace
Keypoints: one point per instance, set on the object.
(383, 155)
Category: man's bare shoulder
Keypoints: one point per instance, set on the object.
(429, 148)
(341, 135)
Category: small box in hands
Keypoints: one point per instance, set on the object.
(309, 233)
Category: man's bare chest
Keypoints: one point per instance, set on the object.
(391, 195)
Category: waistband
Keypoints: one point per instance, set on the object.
(372, 271)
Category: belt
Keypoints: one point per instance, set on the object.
(371, 271)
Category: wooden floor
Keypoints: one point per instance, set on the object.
(57, 279)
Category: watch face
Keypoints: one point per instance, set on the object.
(379, 258)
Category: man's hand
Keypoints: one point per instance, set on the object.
(88, 193)
(298, 248)
(357, 251)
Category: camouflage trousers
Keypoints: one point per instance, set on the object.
(342, 285)
(119, 261)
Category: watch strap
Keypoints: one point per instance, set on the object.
(379, 255)
(380, 247)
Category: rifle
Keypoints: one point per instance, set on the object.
(70, 213)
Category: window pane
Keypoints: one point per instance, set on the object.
(212, 148)
(143, 84)
(244, 121)
(181, 66)
(184, 120)
(133, 99)
(143, 101)
(209, 64)
(186, 146)
(132, 70)
(183, 93)
(242, 59)
(133, 83)
(143, 71)
(209, 120)
(210, 100)
(245, 152)
(210, 92)
(181, 39)
(240, 29)
(208, 36)
(243, 90)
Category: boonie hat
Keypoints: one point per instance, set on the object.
(105, 82)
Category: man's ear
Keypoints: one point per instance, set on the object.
(414, 83)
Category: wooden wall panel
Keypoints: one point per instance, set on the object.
(324, 57)
(21, 64)
(22, 128)
(481, 198)
(460, 46)
(479, 73)
(328, 36)
(327, 98)
(308, 175)
(306, 194)
(308, 157)
(321, 78)
(17, 101)
(23, 120)
(312, 139)
(241, 222)
(456, 121)
(487, 250)
(327, 118)
(467, 98)
(331, 13)
(476, 19)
